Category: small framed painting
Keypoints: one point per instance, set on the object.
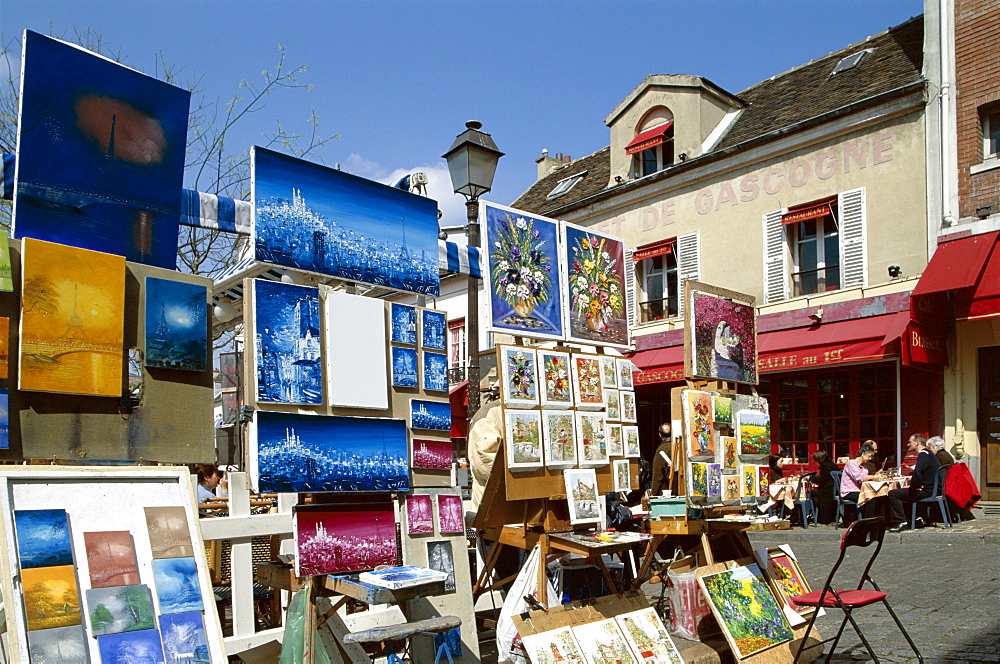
(404, 367)
(616, 442)
(609, 372)
(628, 410)
(524, 439)
(433, 327)
(556, 385)
(612, 405)
(587, 390)
(698, 414)
(432, 415)
(754, 431)
(631, 437)
(403, 324)
(730, 487)
(623, 481)
(591, 429)
(625, 380)
(432, 454)
(419, 519)
(603, 641)
(518, 376)
(786, 578)
(559, 437)
(763, 481)
(435, 372)
(714, 480)
(451, 518)
(748, 481)
(723, 410)
(441, 559)
(581, 492)
(699, 480)
(729, 452)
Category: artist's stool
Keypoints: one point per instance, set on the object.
(404, 631)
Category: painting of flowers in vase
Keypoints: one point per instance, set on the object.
(519, 374)
(595, 276)
(587, 390)
(557, 385)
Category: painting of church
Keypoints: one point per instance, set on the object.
(176, 325)
(289, 366)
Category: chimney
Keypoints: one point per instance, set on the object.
(547, 164)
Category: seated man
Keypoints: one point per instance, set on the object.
(921, 482)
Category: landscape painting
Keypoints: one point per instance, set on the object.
(628, 409)
(648, 637)
(307, 453)
(435, 372)
(404, 367)
(50, 597)
(141, 646)
(451, 516)
(612, 404)
(176, 325)
(286, 320)
(591, 435)
(556, 390)
(419, 518)
(431, 415)
(746, 610)
(334, 539)
(556, 646)
(62, 644)
(609, 372)
(522, 272)
(403, 324)
(120, 609)
(72, 320)
(433, 328)
(111, 559)
(602, 641)
(169, 532)
(594, 265)
(721, 334)
(581, 492)
(43, 538)
(559, 437)
(183, 637)
(432, 454)
(319, 219)
(100, 158)
(519, 376)
(441, 559)
(723, 410)
(177, 586)
(524, 439)
(587, 390)
(754, 431)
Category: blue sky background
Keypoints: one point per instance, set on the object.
(398, 79)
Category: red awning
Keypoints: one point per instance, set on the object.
(812, 210)
(458, 395)
(956, 264)
(982, 301)
(659, 365)
(649, 138)
(652, 250)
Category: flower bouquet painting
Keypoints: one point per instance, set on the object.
(721, 334)
(557, 386)
(519, 376)
(595, 270)
(523, 272)
(698, 416)
(587, 390)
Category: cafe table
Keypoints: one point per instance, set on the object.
(877, 488)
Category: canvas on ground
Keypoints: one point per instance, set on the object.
(433, 326)
(111, 559)
(451, 517)
(177, 586)
(746, 609)
(72, 318)
(431, 415)
(559, 436)
(595, 277)
(403, 324)
(591, 436)
(432, 454)
(440, 558)
(785, 577)
(100, 157)
(288, 345)
(587, 391)
(557, 646)
(524, 439)
(176, 325)
(348, 537)
(43, 538)
(404, 366)
(518, 376)
(169, 532)
(355, 363)
(419, 517)
(323, 220)
(555, 382)
(120, 609)
(648, 638)
(602, 641)
(581, 492)
(522, 272)
(300, 453)
(51, 598)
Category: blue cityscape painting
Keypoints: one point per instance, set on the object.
(404, 324)
(100, 156)
(434, 415)
(183, 637)
(4, 420)
(323, 220)
(523, 275)
(432, 329)
(307, 453)
(176, 325)
(435, 371)
(289, 367)
(177, 587)
(142, 646)
(42, 538)
(404, 367)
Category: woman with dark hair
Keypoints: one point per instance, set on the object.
(208, 478)
(776, 472)
(826, 506)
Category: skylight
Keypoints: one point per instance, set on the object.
(564, 185)
(851, 61)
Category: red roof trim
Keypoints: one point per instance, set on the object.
(649, 138)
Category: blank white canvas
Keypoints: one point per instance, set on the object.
(357, 359)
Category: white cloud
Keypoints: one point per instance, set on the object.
(358, 165)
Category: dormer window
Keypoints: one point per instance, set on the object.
(564, 185)
(851, 61)
(652, 150)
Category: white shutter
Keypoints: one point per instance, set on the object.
(775, 258)
(688, 264)
(853, 246)
(630, 298)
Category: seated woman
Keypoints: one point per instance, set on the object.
(776, 473)
(826, 507)
(855, 474)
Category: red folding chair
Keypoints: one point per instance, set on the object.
(862, 533)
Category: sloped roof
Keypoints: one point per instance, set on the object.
(795, 97)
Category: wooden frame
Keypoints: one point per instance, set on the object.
(720, 334)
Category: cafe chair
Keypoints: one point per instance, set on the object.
(806, 507)
(937, 496)
(861, 533)
(836, 475)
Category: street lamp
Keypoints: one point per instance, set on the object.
(472, 162)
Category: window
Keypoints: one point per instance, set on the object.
(851, 61)
(456, 344)
(816, 254)
(991, 134)
(564, 185)
(658, 291)
(655, 158)
(655, 275)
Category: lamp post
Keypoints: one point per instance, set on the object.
(472, 162)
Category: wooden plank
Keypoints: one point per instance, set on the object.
(404, 630)
(237, 527)
(241, 561)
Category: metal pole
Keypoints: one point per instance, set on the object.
(472, 324)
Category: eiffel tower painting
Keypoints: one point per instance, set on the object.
(176, 325)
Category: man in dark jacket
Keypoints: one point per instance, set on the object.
(921, 482)
(662, 461)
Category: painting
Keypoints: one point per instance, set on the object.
(628, 409)
(111, 559)
(350, 537)
(169, 532)
(404, 367)
(100, 158)
(714, 480)
(518, 376)
(433, 329)
(698, 414)
(609, 372)
(603, 642)
(785, 577)
(72, 320)
(556, 389)
(631, 435)
(587, 391)
(612, 404)
(723, 407)
(616, 440)
(763, 481)
(748, 481)
(356, 375)
(720, 331)
(440, 558)
(522, 273)
(430, 415)
(557, 646)
(50, 597)
(731, 487)
(581, 492)
(4, 419)
(625, 369)
(403, 325)
(746, 610)
(623, 482)
(6, 275)
(288, 348)
(435, 372)
(62, 644)
(594, 268)
(120, 609)
(4, 345)
(730, 452)
(699, 479)
(591, 432)
(305, 453)
(419, 518)
(754, 431)
(559, 436)
(144, 646)
(319, 219)
(43, 538)
(183, 637)
(524, 439)
(176, 325)
(451, 516)
(648, 638)
(432, 454)
(177, 586)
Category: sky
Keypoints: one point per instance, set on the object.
(397, 80)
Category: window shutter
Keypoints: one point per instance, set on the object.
(853, 246)
(775, 268)
(629, 288)
(688, 264)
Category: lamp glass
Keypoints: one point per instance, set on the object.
(472, 168)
